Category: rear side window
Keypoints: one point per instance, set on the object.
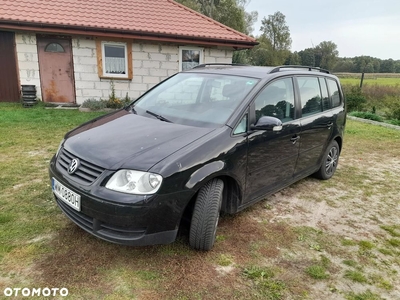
(310, 95)
(326, 103)
(276, 100)
(334, 92)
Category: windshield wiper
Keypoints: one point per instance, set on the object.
(158, 116)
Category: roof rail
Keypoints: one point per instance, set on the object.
(278, 69)
(216, 64)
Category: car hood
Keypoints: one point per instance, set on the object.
(126, 140)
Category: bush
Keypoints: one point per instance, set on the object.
(94, 104)
(394, 122)
(391, 107)
(366, 115)
(112, 102)
(354, 98)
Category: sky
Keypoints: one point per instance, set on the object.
(357, 27)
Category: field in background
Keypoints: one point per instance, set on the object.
(335, 239)
(391, 79)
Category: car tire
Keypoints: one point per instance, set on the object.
(206, 215)
(329, 161)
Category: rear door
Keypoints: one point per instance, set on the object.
(56, 69)
(272, 155)
(316, 122)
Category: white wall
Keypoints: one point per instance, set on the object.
(27, 57)
(151, 64)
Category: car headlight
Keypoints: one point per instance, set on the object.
(59, 147)
(134, 182)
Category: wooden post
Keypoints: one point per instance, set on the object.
(362, 79)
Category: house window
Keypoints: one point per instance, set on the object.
(54, 47)
(189, 57)
(114, 59)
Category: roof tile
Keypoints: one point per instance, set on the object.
(136, 16)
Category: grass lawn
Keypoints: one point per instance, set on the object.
(335, 239)
(371, 81)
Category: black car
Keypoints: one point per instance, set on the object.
(214, 139)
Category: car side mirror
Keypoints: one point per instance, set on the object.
(267, 123)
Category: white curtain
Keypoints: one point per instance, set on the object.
(115, 65)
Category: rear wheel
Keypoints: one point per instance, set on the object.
(205, 216)
(329, 161)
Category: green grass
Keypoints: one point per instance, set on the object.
(272, 256)
(28, 139)
(225, 260)
(369, 79)
(317, 272)
(393, 230)
(368, 295)
(267, 285)
(355, 276)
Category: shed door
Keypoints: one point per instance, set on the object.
(56, 69)
(9, 84)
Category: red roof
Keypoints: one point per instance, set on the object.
(151, 18)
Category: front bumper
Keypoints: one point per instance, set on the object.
(135, 220)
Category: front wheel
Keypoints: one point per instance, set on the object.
(329, 162)
(205, 216)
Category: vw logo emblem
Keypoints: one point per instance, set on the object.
(73, 166)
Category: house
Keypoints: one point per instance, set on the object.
(71, 50)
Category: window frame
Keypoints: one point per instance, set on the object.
(100, 48)
(201, 55)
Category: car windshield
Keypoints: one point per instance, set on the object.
(195, 99)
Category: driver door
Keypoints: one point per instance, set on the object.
(272, 155)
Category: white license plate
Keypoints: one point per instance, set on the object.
(65, 194)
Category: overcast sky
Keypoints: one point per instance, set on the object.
(357, 27)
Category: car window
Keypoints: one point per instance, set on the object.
(310, 95)
(276, 100)
(183, 92)
(326, 103)
(242, 126)
(196, 99)
(334, 92)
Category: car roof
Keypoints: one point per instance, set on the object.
(255, 71)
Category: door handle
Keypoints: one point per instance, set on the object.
(329, 125)
(294, 139)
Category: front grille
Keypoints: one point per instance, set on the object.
(101, 229)
(87, 172)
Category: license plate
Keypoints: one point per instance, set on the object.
(66, 195)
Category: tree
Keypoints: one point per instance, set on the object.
(275, 29)
(307, 57)
(344, 64)
(293, 59)
(387, 66)
(193, 4)
(231, 13)
(326, 55)
(361, 62)
(262, 54)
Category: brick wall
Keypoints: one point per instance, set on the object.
(151, 64)
(28, 60)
